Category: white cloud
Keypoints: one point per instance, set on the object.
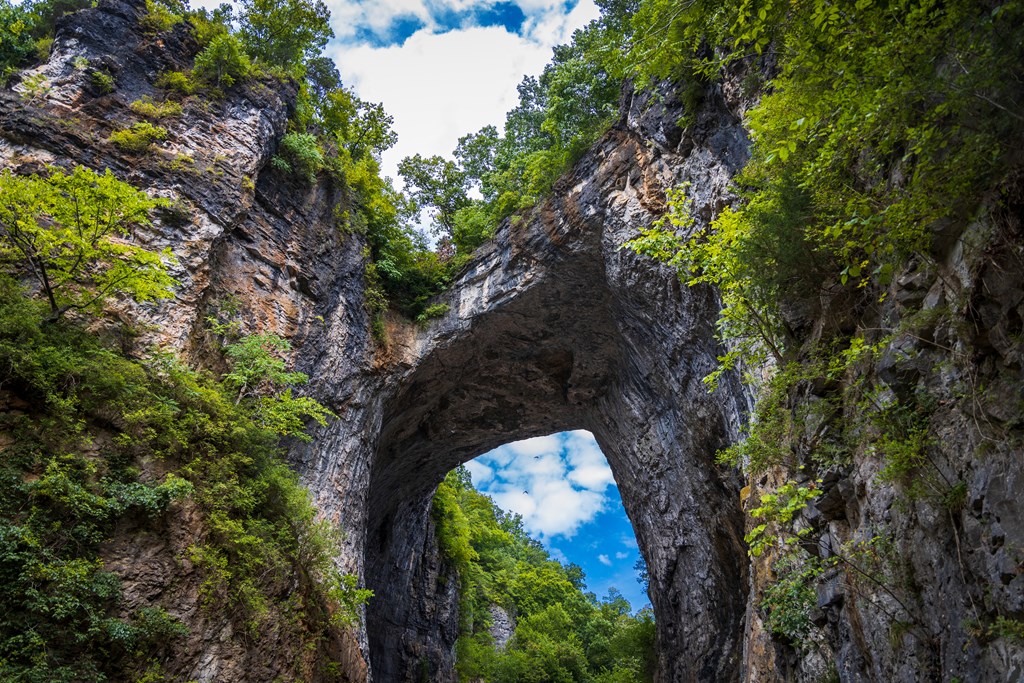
(480, 472)
(441, 86)
(554, 27)
(557, 483)
(375, 16)
(603, 559)
(621, 555)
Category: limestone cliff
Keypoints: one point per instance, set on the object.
(552, 326)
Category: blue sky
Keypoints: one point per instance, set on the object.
(383, 23)
(564, 490)
(386, 24)
(445, 68)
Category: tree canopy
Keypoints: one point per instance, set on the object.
(284, 33)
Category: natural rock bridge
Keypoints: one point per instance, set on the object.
(551, 327)
(555, 327)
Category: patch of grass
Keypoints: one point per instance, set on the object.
(138, 138)
(155, 110)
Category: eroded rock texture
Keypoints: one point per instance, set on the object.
(551, 327)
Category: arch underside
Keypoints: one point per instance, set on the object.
(554, 327)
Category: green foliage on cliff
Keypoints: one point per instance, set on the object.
(886, 123)
(223, 62)
(284, 33)
(884, 131)
(139, 138)
(26, 31)
(561, 633)
(98, 447)
(70, 233)
(99, 440)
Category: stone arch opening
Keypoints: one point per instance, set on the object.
(562, 488)
(554, 328)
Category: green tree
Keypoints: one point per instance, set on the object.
(263, 383)
(26, 29)
(581, 94)
(209, 24)
(322, 79)
(475, 153)
(563, 634)
(71, 234)
(558, 115)
(284, 33)
(223, 62)
(437, 185)
(362, 128)
(16, 41)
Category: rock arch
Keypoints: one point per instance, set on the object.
(553, 327)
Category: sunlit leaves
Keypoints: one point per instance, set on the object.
(438, 186)
(72, 234)
(284, 33)
(223, 62)
(260, 377)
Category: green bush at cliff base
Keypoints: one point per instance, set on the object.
(87, 450)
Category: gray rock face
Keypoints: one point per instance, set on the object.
(502, 627)
(552, 326)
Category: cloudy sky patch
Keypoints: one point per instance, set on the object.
(390, 22)
(446, 69)
(557, 483)
(563, 487)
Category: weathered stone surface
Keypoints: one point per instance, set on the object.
(503, 626)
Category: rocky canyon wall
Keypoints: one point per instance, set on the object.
(553, 326)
